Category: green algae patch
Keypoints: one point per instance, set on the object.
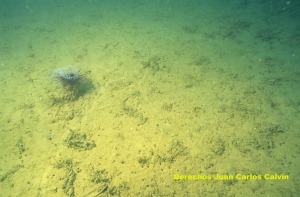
(79, 141)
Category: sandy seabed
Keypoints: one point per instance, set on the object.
(171, 93)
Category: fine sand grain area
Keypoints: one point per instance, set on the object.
(175, 98)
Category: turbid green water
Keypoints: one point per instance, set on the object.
(176, 98)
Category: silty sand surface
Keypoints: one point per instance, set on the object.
(173, 89)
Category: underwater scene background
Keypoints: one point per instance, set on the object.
(172, 98)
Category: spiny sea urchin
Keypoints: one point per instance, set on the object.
(67, 75)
